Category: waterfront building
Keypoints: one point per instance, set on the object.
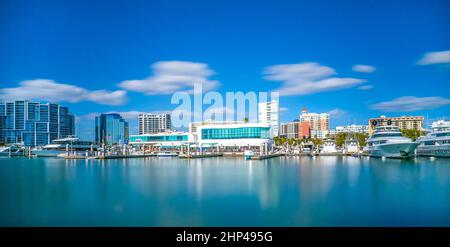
(111, 129)
(34, 123)
(403, 122)
(269, 113)
(154, 123)
(2, 124)
(319, 123)
(290, 130)
(351, 146)
(329, 146)
(229, 136)
(193, 125)
(223, 135)
(304, 131)
(352, 129)
(167, 139)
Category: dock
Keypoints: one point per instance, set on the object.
(193, 156)
(104, 157)
(266, 156)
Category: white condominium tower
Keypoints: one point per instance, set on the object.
(269, 113)
(154, 123)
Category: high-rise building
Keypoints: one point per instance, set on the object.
(269, 113)
(2, 124)
(319, 123)
(111, 129)
(154, 123)
(403, 122)
(290, 130)
(34, 123)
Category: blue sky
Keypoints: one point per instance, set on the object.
(102, 56)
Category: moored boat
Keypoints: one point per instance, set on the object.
(437, 142)
(61, 147)
(248, 154)
(12, 150)
(388, 142)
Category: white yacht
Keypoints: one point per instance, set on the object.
(63, 146)
(248, 154)
(13, 150)
(388, 142)
(437, 142)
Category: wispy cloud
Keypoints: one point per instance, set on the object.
(410, 103)
(49, 90)
(283, 109)
(365, 87)
(435, 58)
(363, 68)
(307, 78)
(128, 115)
(172, 76)
(337, 113)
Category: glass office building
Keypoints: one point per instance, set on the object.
(34, 123)
(151, 138)
(111, 129)
(235, 133)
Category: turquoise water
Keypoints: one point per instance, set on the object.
(284, 191)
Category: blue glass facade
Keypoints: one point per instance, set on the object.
(111, 129)
(34, 123)
(236, 133)
(158, 138)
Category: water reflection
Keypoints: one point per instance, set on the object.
(300, 191)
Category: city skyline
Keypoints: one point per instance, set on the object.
(355, 68)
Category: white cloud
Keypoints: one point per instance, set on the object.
(283, 109)
(307, 78)
(365, 87)
(336, 113)
(172, 76)
(410, 103)
(128, 115)
(363, 68)
(49, 90)
(435, 57)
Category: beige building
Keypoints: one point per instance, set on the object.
(403, 122)
(319, 123)
(290, 130)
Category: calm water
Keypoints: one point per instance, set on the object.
(285, 191)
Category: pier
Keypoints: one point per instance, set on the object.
(266, 156)
(193, 156)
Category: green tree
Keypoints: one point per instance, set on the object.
(317, 142)
(362, 137)
(412, 133)
(246, 120)
(279, 140)
(340, 139)
(291, 141)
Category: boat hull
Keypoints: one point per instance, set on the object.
(47, 153)
(3, 154)
(393, 150)
(434, 151)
